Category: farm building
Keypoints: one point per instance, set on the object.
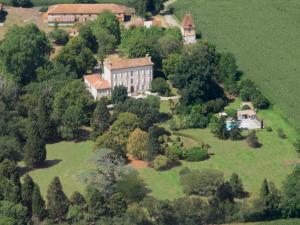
(188, 30)
(134, 74)
(249, 120)
(69, 14)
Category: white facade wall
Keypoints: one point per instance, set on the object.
(137, 79)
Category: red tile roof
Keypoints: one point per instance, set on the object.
(188, 22)
(97, 81)
(85, 8)
(115, 63)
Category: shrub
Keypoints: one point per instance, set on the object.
(177, 150)
(59, 36)
(280, 133)
(196, 154)
(231, 112)
(252, 140)
(173, 125)
(269, 129)
(196, 120)
(201, 182)
(297, 146)
(259, 101)
(235, 134)
(173, 158)
(161, 86)
(161, 162)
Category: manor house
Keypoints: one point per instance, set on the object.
(134, 74)
(69, 14)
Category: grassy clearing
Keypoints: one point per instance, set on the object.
(270, 161)
(264, 37)
(68, 160)
(21, 17)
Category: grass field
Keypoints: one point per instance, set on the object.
(271, 161)
(264, 37)
(68, 160)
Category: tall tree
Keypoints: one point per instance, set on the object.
(35, 147)
(27, 192)
(237, 185)
(100, 121)
(57, 201)
(153, 143)
(23, 50)
(291, 194)
(137, 144)
(76, 55)
(38, 204)
(86, 33)
(15, 188)
(119, 94)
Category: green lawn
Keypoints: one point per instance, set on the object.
(264, 37)
(69, 159)
(253, 165)
(275, 222)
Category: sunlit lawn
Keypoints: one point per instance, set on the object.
(270, 161)
(69, 159)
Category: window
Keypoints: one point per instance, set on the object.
(131, 81)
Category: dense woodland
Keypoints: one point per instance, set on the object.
(44, 100)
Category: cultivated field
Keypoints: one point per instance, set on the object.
(274, 160)
(264, 36)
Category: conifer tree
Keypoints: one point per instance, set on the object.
(27, 190)
(38, 203)
(100, 121)
(58, 202)
(153, 144)
(35, 148)
(15, 186)
(77, 199)
(43, 112)
(237, 185)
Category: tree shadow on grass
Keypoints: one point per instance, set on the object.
(3, 15)
(46, 164)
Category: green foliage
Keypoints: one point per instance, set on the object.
(23, 50)
(147, 110)
(153, 143)
(201, 182)
(131, 187)
(72, 119)
(225, 192)
(291, 195)
(195, 73)
(59, 36)
(140, 6)
(76, 55)
(237, 185)
(100, 120)
(14, 214)
(161, 86)
(169, 45)
(27, 192)
(119, 94)
(170, 63)
(137, 144)
(72, 107)
(35, 148)
(38, 204)
(235, 134)
(77, 199)
(230, 112)
(227, 67)
(57, 201)
(10, 148)
(297, 146)
(87, 35)
(196, 154)
(161, 162)
(218, 127)
(21, 3)
(195, 120)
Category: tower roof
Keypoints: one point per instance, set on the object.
(188, 22)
